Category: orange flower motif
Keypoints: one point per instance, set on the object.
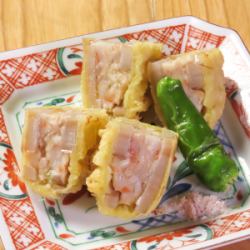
(168, 236)
(11, 168)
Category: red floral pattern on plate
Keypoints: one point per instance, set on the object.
(121, 246)
(162, 241)
(22, 222)
(171, 37)
(5, 91)
(3, 131)
(12, 169)
(230, 224)
(48, 245)
(220, 227)
(31, 69)
(200, 39)
(167, 236)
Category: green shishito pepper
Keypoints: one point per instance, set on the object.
(198, 143)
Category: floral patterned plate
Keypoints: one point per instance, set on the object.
(49, 75)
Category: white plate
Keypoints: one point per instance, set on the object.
(48, 74)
